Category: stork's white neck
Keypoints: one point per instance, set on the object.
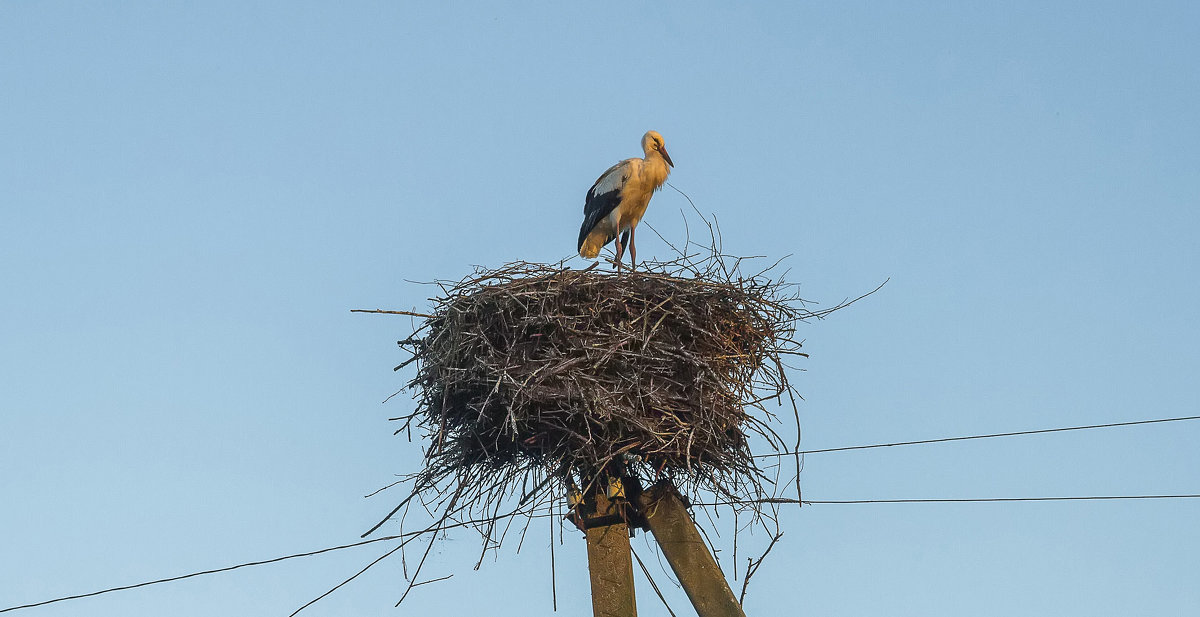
(655, 170)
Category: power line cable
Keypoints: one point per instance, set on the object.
(805, 502)
(987, 436)
(193, 574)
(993, 499)
(402, 536)
(776, 500)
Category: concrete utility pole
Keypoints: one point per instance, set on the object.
(606, 515)
(609, 557)
(685, 550)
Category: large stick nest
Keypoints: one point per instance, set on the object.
(530, 373)
(575, 370)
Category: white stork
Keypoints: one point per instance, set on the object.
(618, 199)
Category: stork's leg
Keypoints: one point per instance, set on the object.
(620, 251)
(632, 249)
(624, 241)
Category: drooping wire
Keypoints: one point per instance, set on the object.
(402, 536)
(805, 502)
(987, 436)
(772, 500)
(194, 574)
(994, 499)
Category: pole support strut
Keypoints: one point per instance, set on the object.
(687, 553)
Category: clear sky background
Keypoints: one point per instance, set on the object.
(194, 195)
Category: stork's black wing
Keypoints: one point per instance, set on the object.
(603, 198)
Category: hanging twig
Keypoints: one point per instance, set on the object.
(754, 564)
(653, 585)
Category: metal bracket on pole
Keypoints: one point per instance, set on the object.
(685, 550)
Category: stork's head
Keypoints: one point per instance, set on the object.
(653, 142)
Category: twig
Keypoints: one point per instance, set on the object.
(381, 311)
(753, 565)
(653, 585)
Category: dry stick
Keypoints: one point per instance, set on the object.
(735, 543)
(653, 585)
(390, 398)
(753, 566)
(487, 535)
(524, 530)
(663, 567)
(390, 514)
(553, 581)
(381, 311)
(437, 527)
(356, 575)
(420, 564)
(433, 580)
(383, 488)
(796, 411)
(403, 553)
(439, 524)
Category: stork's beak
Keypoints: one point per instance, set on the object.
(666, 156)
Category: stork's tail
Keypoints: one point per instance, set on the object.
(590, 244)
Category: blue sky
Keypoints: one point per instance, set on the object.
(194, 196)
